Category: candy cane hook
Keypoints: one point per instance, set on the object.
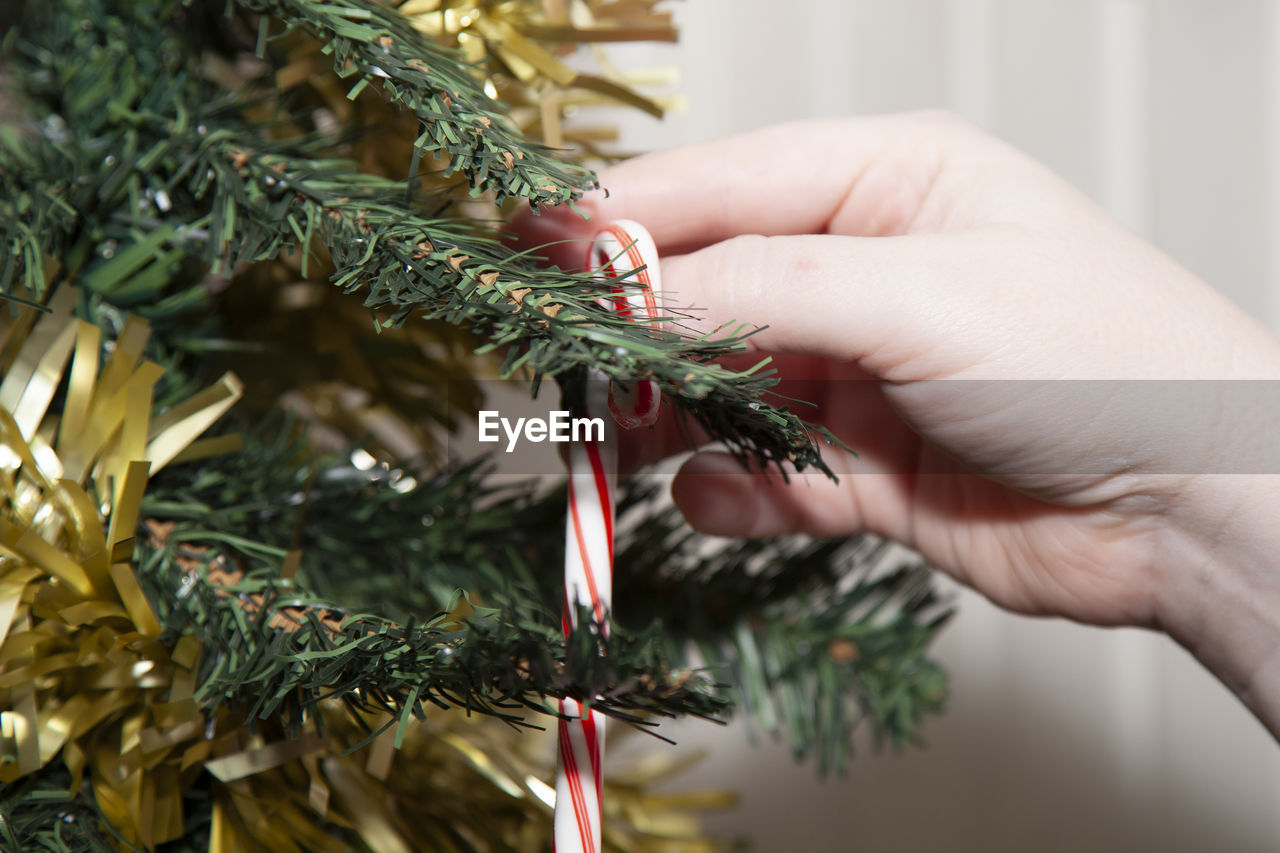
(588, 566)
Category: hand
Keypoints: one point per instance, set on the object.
(891, 258)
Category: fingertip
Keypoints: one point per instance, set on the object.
(716, 495)
(557, 234)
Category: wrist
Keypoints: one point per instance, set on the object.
(1218, 588)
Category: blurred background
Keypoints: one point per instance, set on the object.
(1167, 112)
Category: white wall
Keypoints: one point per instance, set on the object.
(1059, 737)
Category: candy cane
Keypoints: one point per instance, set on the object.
(588, 563)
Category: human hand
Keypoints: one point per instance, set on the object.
(892, 257)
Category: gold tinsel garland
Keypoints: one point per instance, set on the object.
(522, 48)
(83, 674)
(526, 53)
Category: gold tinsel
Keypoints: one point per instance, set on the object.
(85, 678)
(83, 674)
(522, 48)
(524, 51)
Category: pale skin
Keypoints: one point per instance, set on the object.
(903, 249)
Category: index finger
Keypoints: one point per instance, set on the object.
(864, 176)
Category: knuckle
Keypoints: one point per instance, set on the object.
(746, 263)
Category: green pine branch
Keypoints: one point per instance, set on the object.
(374, 46)
(176, 177)
(817, 638)
(136, 176)
(275, 648)
(39, 813)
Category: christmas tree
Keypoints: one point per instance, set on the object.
(252, 250)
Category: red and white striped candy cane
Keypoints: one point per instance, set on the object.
(588, 563)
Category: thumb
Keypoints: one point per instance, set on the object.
(721, 498)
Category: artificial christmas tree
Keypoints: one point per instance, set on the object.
(245, 601)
